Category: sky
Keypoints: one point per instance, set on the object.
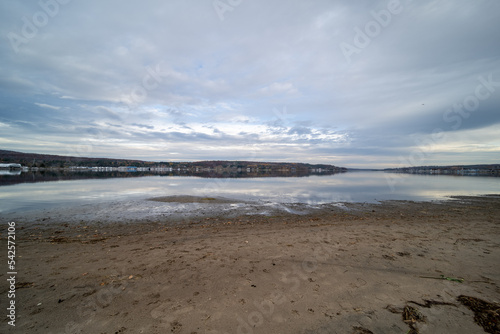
(360, 84)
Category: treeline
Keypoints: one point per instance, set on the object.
(213, 164)
(59, 161)
(472, 170)
(47, 161)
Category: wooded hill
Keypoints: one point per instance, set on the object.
(58, 161)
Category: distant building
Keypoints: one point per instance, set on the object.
(11, 166)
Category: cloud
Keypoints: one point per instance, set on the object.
(48, 106)
(144, 126)
(269, 76)
(277, 88)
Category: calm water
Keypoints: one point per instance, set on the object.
(345, 187)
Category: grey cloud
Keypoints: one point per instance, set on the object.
(143, 67)
(144, 126)
(108, 113)
(299, 130)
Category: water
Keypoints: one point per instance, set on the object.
(312, 190)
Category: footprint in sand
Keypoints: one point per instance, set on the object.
(169, 317)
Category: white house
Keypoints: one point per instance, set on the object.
(10, 166)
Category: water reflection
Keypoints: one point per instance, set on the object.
(10, 177)
(9, 172)
(312, 190)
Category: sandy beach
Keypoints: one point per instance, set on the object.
(395, 267)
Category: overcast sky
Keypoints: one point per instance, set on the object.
(351, 83)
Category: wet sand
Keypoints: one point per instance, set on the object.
(326, 269)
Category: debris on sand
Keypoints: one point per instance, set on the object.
(411, 316)
(486, 315)
(429, 303)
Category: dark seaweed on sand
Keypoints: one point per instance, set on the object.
(411, 316)
(486, 315)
